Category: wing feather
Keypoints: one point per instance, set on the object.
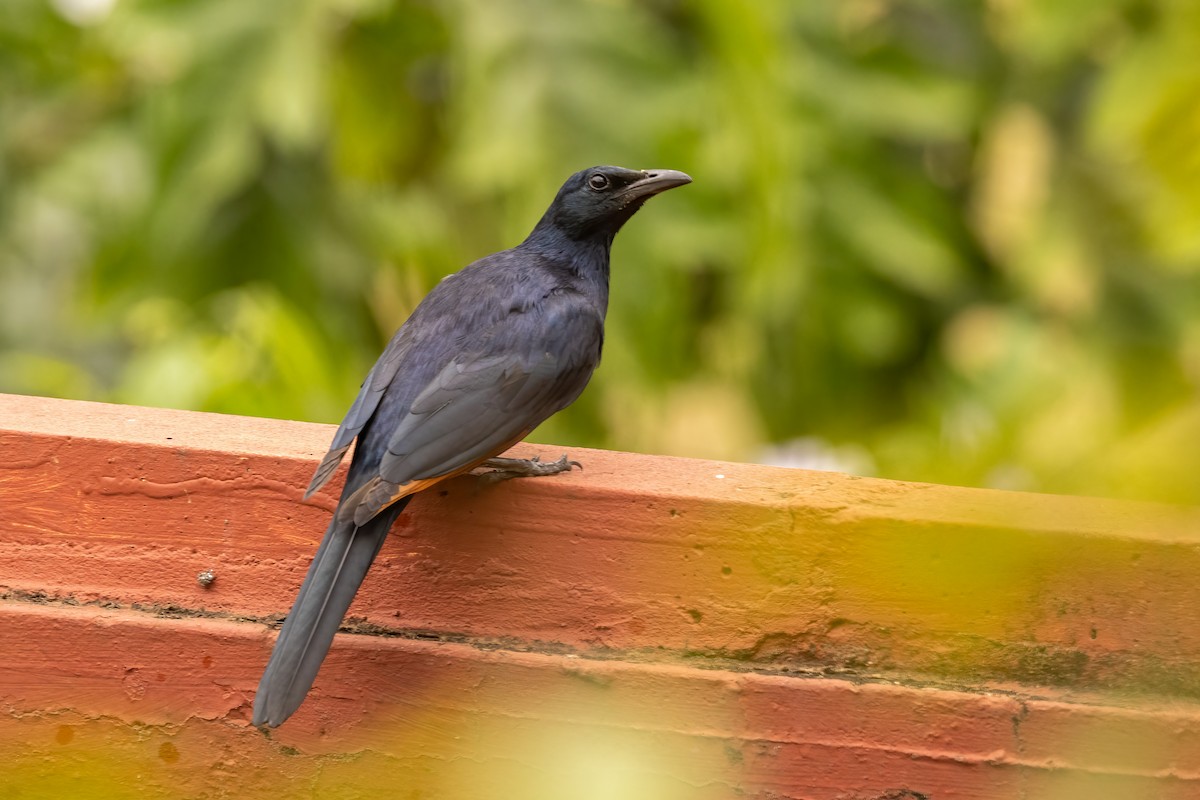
(361, 410)
(485, 400)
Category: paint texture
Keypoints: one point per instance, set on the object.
(648, 627)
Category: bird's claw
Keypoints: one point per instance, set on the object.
(503, 469)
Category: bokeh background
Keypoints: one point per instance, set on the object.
(928, 239)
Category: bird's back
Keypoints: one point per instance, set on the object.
(518, 302)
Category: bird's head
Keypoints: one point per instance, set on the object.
(598, 201)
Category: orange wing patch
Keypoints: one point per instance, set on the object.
(377, 494)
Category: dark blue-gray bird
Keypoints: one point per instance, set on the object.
(487, 356)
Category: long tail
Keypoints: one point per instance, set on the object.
(337, 571)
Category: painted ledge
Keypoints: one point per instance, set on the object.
(647, 628)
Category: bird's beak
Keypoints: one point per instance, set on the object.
(655, 181)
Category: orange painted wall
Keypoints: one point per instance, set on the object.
(648, 627)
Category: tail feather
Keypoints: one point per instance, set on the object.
(336, 572)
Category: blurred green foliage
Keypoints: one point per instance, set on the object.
(928, 239)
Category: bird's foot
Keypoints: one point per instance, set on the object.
(504, 468)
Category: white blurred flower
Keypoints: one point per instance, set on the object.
(83, 12)
(811, 452)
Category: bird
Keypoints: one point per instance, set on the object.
(491, 352)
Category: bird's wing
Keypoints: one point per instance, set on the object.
(373, 387)
(484, 401)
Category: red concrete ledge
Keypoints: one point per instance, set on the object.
(670, 557)
(454, 721)
(713, 594)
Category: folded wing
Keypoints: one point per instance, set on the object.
(484, 401)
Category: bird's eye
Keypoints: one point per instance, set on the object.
(598, 182)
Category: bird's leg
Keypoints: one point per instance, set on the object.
(504, 468)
